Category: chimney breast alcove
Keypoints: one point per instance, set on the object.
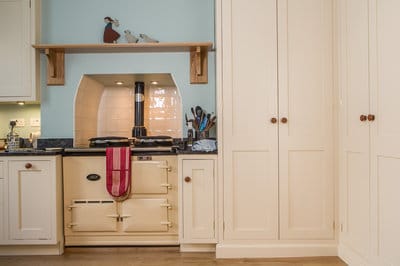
(102, 107)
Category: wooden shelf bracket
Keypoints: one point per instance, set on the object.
(55, 66)
(199, 65)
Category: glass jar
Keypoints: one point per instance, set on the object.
(12, 141)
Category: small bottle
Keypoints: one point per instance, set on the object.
(12, 138)
(190, 135)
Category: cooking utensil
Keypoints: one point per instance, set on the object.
(194, 114)
(203, 123)
(199, 111)
(186, 118)
(211, 122)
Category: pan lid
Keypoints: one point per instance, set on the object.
(108, 140)
(154, 141)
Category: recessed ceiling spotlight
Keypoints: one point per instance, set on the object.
(21, 103)
(154, 82)
(119, 83)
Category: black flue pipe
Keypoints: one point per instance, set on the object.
(139, 130)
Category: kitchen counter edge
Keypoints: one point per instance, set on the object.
(99, 153)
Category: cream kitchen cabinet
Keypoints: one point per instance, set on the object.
(369, 134)
(197, 179)
(20, 20)
(276, 129)
(33, 215)
(3, 198)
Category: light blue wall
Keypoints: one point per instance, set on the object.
(81, 21)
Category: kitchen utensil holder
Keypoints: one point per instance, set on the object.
(202, 134)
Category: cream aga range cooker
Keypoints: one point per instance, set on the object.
(148, 217)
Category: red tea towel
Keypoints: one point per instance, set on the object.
(118, 171)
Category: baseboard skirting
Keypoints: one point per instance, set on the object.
(351, 257)
(197, 247)
(275, 250)
(19, 250)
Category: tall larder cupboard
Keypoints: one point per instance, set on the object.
(369, 65)
(277, 127)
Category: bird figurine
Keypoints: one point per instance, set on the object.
(147, 38)
(130, 38)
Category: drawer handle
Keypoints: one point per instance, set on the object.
(166, 223)
(284, 120)
(166, 205)
(28, 165)
(169, 186)
(188, 179)
(274, 120)
(70, 207)
(168, 168)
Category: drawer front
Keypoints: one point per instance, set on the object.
(145, 215)
(93, 216)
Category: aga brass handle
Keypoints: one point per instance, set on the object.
(188, 179)
(274, 120)
(28, 165)
(371, 117)
(284, 120)
(363, 118)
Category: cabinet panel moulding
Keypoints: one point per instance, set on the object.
(56, 52)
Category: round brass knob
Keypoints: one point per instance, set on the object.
(284, 120)
(371, 117)
(363, 118)
(188, 179)
(28, 165)
(274, 120)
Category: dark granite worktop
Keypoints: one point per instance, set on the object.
(32, 152)
(47, 147)
(97, 153)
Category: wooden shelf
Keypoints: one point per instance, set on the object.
(56, 56)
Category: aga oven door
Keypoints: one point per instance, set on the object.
(145, 215)
(150, 176)
(93, 216)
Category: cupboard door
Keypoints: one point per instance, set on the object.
(2, 210)
(17, 67)
(385, 130)
(198, 201)
(31, 200)
(305, 52)
(250, 140)
(354, 144)
(3, 202)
